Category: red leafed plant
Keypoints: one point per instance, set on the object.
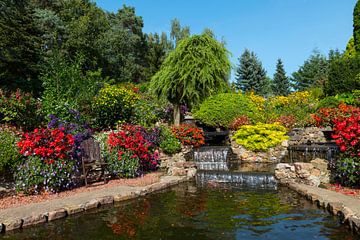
(240, 121)
(287, 121)
(347, 135)
(189, 135)
(130, 138)
(326, 116)
(48, 144)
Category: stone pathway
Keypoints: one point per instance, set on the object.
(346, 207)
(36, 213)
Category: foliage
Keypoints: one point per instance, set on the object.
(240, 121)
(20, 109)
(189, 135)
(131, 138)
(9, 154)
(280, 84)
(250, 75)
(257, 100)
(114, 103)
(347, 170)
(260, 137)
(198, 67)
(327, 116)
(221, 110)
(288, 121)
(123, 164)
(169, 112)
(352, 98)
(343, 76)
(169, 144)
(312, 73)
(66, 87)
(350, 49)
(328, 102)
(35, 175)
(147, 111)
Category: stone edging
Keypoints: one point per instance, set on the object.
(342, 209)
(17, 223)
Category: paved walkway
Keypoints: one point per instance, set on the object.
(346, 207)
(36, 213)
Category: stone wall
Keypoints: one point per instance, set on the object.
(313, 173)
(178, 164)
(304, 135)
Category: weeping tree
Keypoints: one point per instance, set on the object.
(197, 68)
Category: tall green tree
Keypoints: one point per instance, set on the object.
(313, 73)
(280, 84)
(19, 46)
(196, 69)
(356, 25)
(178, 32)
(250, 75)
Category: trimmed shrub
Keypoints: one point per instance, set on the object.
(114, 104)
(221, 110)
(260, 137)
(9, 154)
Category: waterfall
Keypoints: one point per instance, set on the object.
(306, 153)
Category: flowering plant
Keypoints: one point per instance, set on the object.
(288, 121)
(134, 139)
(240, 121)
(189, 135)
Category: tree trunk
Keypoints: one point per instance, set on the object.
(176, 114)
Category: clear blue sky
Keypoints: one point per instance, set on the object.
(286, 29)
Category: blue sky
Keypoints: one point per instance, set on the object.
(286, 29)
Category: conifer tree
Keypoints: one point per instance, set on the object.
(356, 25)
(250, 75)
(281, 83)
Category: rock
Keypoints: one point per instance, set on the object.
(57, 214)
(315, 172)
(303, 173)
(91, 204)
(33, 220)
(12, 224)
(2, 228)
(285, 143)
(178, 172)
(191, 173)
(280, 166)
(313, 181)
(320, 164)
(105, 200)
(120, 198)
(303, 166)
(73, 209)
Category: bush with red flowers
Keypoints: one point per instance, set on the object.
(326, 116)
(240, 121)
(49, 163)
(189, 135)
(132, 151)
(347, 137)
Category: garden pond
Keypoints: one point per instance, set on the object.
(199, 210)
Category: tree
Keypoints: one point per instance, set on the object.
(197, 68)
(250, 75)
(177, 32)
(19, 46)
(356, 25)
(313, 73)
(350, 49)
(281, 85)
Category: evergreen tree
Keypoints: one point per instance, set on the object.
(356, 25)
(19, 46)
(196, 69)
(313, 73)
(281, 83)
(250, 75)
(178, 33)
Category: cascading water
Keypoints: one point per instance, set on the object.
(217, 167)
(308, 152)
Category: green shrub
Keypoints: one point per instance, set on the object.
(114, 104)
(169, 144)
(260, 137)
(328, 102)
(9, 153)
(348, 171)
(146, 112)
(126, 167)
(222, 109)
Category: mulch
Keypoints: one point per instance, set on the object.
(354, 192)
(12, 199)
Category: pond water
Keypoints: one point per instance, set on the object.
(199, 211)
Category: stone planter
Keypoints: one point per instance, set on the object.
(328, 134)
